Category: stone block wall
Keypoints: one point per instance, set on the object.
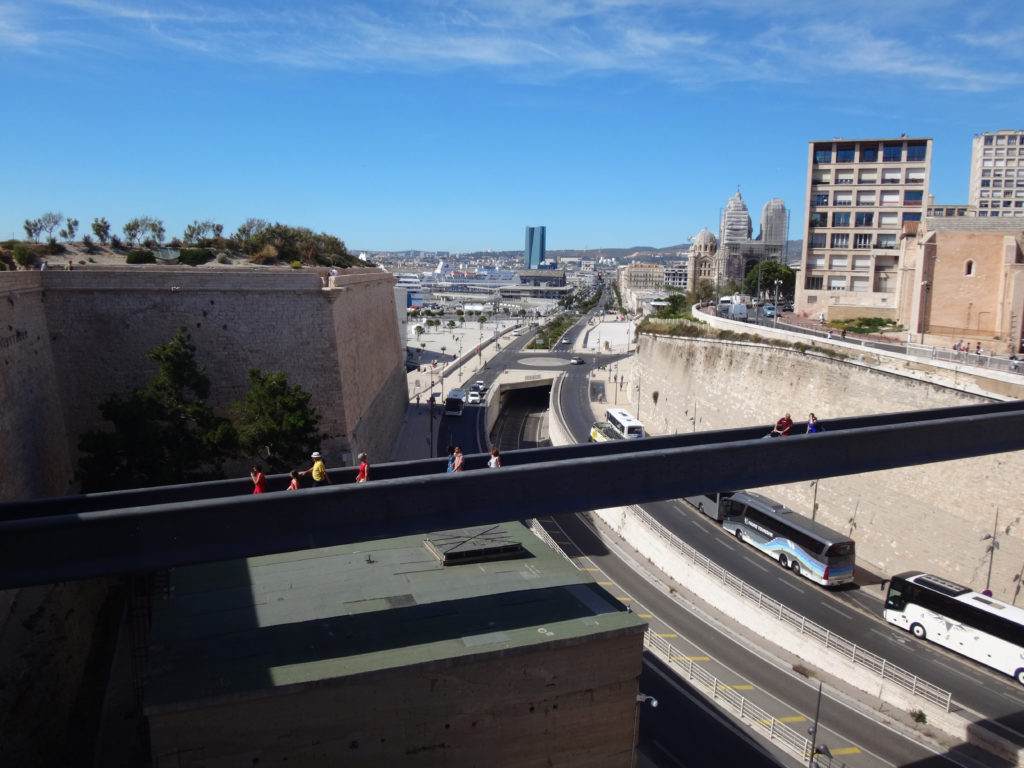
(934, 516)
(567, 704)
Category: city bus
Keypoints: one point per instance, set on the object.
(975, 625)
(807, 547)
(601, 432)
(455, 402)
(623, 424)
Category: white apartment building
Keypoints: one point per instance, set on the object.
(860, 194)
(997, 174)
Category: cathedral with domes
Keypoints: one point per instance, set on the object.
(729, 257)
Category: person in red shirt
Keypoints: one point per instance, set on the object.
(782, 426)
(364, 468)
(259, 481)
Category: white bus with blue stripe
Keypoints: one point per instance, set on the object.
(806, 546)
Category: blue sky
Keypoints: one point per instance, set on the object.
(453, 125)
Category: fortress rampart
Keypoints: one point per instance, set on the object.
(70, 339)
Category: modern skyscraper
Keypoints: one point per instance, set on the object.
(534, 252)
(860, 197)
(997, 174)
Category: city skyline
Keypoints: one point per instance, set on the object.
(450, 126)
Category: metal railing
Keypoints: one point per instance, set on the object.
(729, 698)
(885, 670)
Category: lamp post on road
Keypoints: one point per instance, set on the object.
(817, 749)
(775, 314)
(641, 698)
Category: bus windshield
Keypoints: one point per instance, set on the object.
(622, 422)
(455, 402)
(976, 625)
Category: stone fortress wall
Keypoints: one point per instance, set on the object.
(934, 517)
(70, 339)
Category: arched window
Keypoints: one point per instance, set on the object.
(969, 267)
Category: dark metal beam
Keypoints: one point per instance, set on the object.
(50, 548)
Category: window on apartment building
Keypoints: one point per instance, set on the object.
(915, 175)
(986, 182)
(837, 282)
(911, 217)
(913, 197)
(860, 284)
(862, 241)
(838, 262)
(988, 140)
(1011, 140)
(822, 177)
(822, 155)
(987, 153)
(869, 154)
(891, 176)
(844, 154)
(817, 240)
(985, 174)
(821, 199)
(983, 213)
(888, 219)
(916, 152)
(843, 198)
(844, 177)
(969, 267)
(814, 283)
(864, 219)
(840, 219)
(865, 198)
(868, 176)
(892, 153)
(886, 241)
(840, 240)
(890, 198)
(818, 220)
(862, 263)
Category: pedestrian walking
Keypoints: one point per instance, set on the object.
(843, 335)
(259, 480)
(459, 459)
(364, 469)
(495, 461)
(451, 459)
(318, 470)
(294, 484)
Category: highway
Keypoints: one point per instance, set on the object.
(854, 739)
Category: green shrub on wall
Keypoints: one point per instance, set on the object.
(141, 256)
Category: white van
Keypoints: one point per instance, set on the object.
(737, 312)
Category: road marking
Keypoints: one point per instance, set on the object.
(689, 658)
(845, 751)
(591, 569)
(604, 583)
(624, 599)
(666, 634)
(791, 719)
(645, 615)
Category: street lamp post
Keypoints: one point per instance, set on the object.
(641, 698)
(775, 318)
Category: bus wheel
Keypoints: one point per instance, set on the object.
(783, 561)
(796, 567)
(738, 534)
(1019, 674)
(918, 631)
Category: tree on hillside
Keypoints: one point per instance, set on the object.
(769, 272)
(50, 221)
(156, 230)
(163, 433)
(198, 231)
(275, 422)
(33, 228)
(101, 228)
(70, 227)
